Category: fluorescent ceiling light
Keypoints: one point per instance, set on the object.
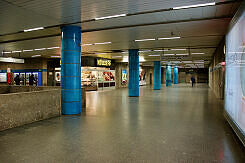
(178, 49)
(56, 47)
(197, 53)
(149, 39)
(176, 61)
(33, 29)
(199, 62)
(187, 61)
(154, 55)
(116, 56)
(30, 50)
(11, 60)
(17, 51)
(55, 56)
(183, 54)
(124, 52)
(192, 6)
(237, 52)
(36, 56)
(87, 44)
(142, 51)
(102, 43)
(100, 53)
(168, 38)
(141, 59)
(158, 50)
(109, 17)
(40, 49)
(168, 54)
(6, 52)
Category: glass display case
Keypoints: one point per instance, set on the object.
(93, 78)
(89, 79)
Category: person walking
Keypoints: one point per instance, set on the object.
(193, 80)
(17, 80)
(31, 80)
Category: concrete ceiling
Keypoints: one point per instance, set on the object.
(201, 29)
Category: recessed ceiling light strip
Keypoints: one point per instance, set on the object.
(168, 38)
(36, 56)
(116, 56)
(40, 49)
(6, 52)
(87, 44)
(29, 50)
(56, 47)
(193, 6)
(102, 43)
(182, 54)
(33, 29)
(178, 49)
(150, 39)
(197, 53)
(17, 51)
(109, 17)
(168, 54)
(153, 55)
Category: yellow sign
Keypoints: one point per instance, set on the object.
(103, 62)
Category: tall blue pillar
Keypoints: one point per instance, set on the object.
(168, 75)
(157, 75)
(176, 75)
(133, 83)
(70, 70)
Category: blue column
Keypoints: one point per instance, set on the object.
(70, 70)
(133, 83)
(176, 75)
(168, 75)
(157, 75)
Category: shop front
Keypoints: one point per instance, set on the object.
(96, 73)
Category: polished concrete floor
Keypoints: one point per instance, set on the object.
(177, 124)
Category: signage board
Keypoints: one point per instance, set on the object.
(103, 62)
(3, 77)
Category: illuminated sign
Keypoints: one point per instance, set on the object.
(103, 62)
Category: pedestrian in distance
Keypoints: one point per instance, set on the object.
(31, 80)
(193, 81)
(17, 80)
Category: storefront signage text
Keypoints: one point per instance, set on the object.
(103, 62)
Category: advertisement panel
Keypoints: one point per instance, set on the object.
(235, 73)
(124, 77)
(3, 77)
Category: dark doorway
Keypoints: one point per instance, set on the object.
(150, 78)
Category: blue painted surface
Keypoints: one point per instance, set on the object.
(168, 76)
(70, 70)
(133, 84)
(157, 75)
(40, 79)
(176, 75)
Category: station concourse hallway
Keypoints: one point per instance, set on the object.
(175, 124)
